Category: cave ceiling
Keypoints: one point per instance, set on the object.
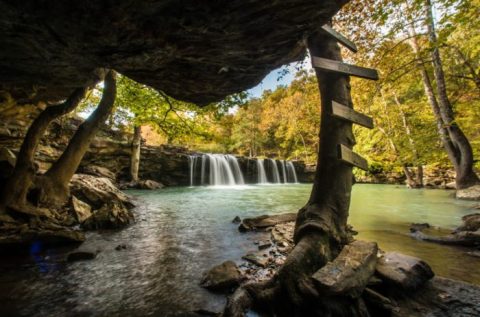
(194, 50)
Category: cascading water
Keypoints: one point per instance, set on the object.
(261, 175)
(192, 159)
(291, 174)
(224, 169)
(216, 169)
(284, 173)
(275, 173)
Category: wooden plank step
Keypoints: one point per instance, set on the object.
(348, 156)
(343, 68)
(340, 38)
(348, 114)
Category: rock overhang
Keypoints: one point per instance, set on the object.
(197, 51)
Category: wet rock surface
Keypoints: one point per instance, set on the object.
(223, 277)
(265, 221)
(81, 256)
(404, 271)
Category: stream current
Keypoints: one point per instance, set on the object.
(181, 232)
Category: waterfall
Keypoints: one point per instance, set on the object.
(192, 160)
(291, 174)
(237, 172)
(284, 173)
(275, 173)
(262, 176)
(216, 169)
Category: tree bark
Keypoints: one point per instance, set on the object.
(321, 226)
(14, 193)
(135, 156)
(465, 176)
(54, 183)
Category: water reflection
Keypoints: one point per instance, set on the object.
(181, 232)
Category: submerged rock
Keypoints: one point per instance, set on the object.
(404, 271)
(222, 277)
(470, 193)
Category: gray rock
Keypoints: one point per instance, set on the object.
(222, 277)
(471, 222)
(112, 215)
(149, 184)
(257, 259)
(404, 271)
(470, 193)
(264, 244)
(96, 191)
(82, 210)
(350, 272)
(99, 171)
(265, 221)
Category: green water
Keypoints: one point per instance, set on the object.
(182, 232)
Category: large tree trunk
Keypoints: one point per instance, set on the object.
(53, 185)
(135, 156)
(14, 193)
(320, 231)
(465, 177)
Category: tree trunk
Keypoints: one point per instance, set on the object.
(465, 177)
(53, 185)
(14, 193)
(416, 182)
(135, 156)
(320, 231)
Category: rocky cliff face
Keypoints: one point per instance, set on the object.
(111, 149)
(199, 51)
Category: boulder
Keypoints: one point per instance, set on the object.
(470, 193)
(81, 256)
(98, 171)
(112, 215)
(471, 222)
(404, 271)
(236, 219)
(350, 272)
(265, 221)
(222, 277)
(149, 184)
(96, 191)
(82, 210)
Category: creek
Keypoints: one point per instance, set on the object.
(181, 232)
